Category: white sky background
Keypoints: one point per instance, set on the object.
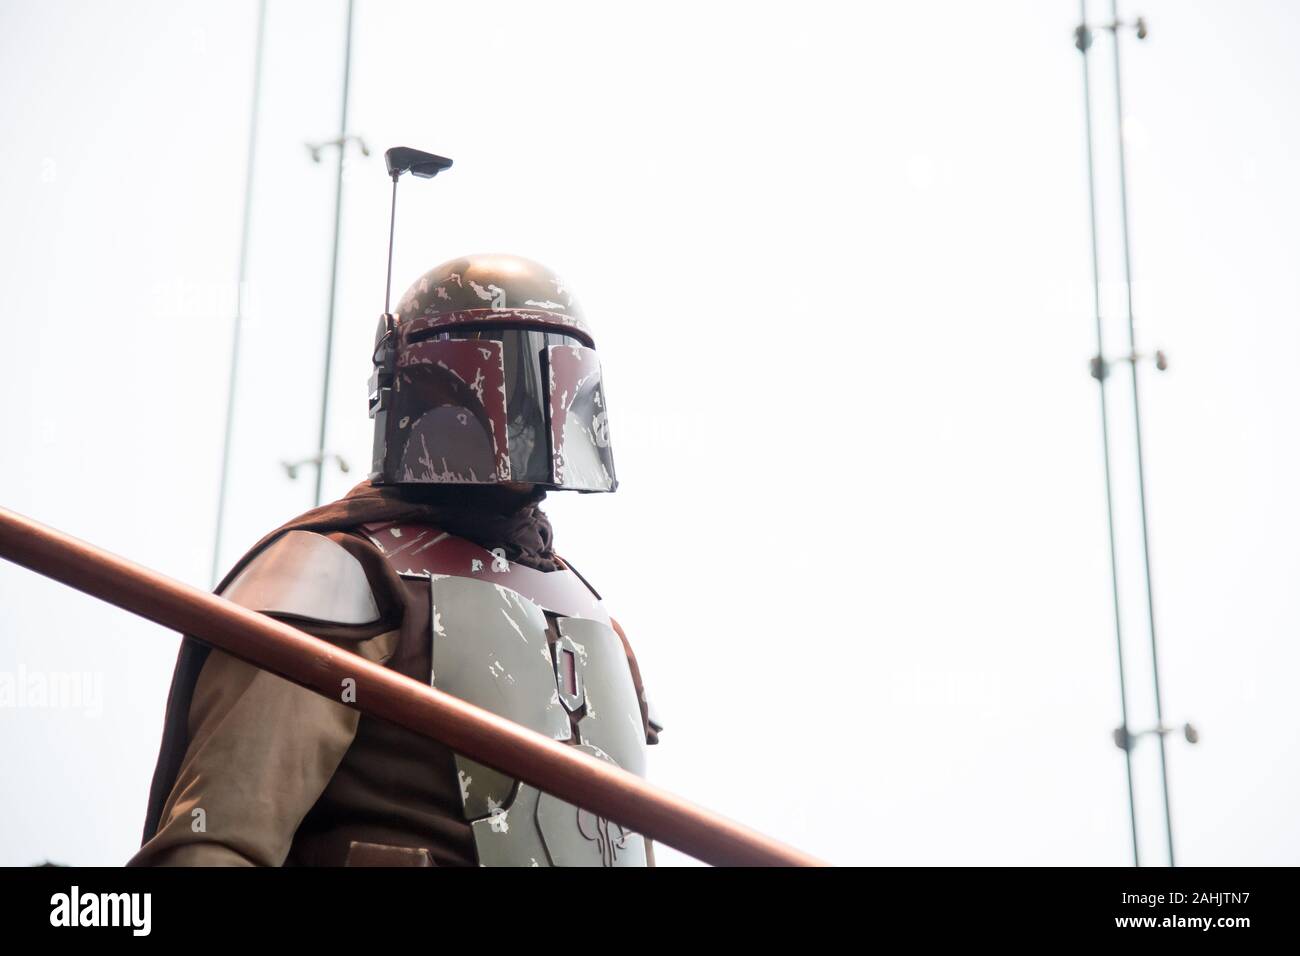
(837, 261)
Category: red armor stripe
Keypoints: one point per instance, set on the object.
(425, 549)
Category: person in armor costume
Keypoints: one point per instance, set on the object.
(486, 393)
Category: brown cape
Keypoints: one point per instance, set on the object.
(489, 516)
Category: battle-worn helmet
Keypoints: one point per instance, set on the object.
(488, 373)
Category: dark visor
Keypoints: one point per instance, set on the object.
(524, 355)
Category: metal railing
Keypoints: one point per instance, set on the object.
(479, 734)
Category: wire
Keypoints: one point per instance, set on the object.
(239, 290)
(334, 270)
(1137, 430)
(1084, 42)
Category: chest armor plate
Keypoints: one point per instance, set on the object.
(537, 648)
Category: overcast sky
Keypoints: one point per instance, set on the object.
(836, 257)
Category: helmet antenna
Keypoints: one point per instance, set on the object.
(402, 159)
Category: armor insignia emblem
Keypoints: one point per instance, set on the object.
(610, 838)
(577, 837)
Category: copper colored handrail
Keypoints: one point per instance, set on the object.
(320, 666)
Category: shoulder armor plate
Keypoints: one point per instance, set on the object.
(306, 575)
(423, 549)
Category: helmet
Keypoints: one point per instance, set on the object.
(486, 374)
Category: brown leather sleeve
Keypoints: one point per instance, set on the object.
(261, 752)
(251, 751)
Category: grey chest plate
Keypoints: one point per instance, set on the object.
(571, 681)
